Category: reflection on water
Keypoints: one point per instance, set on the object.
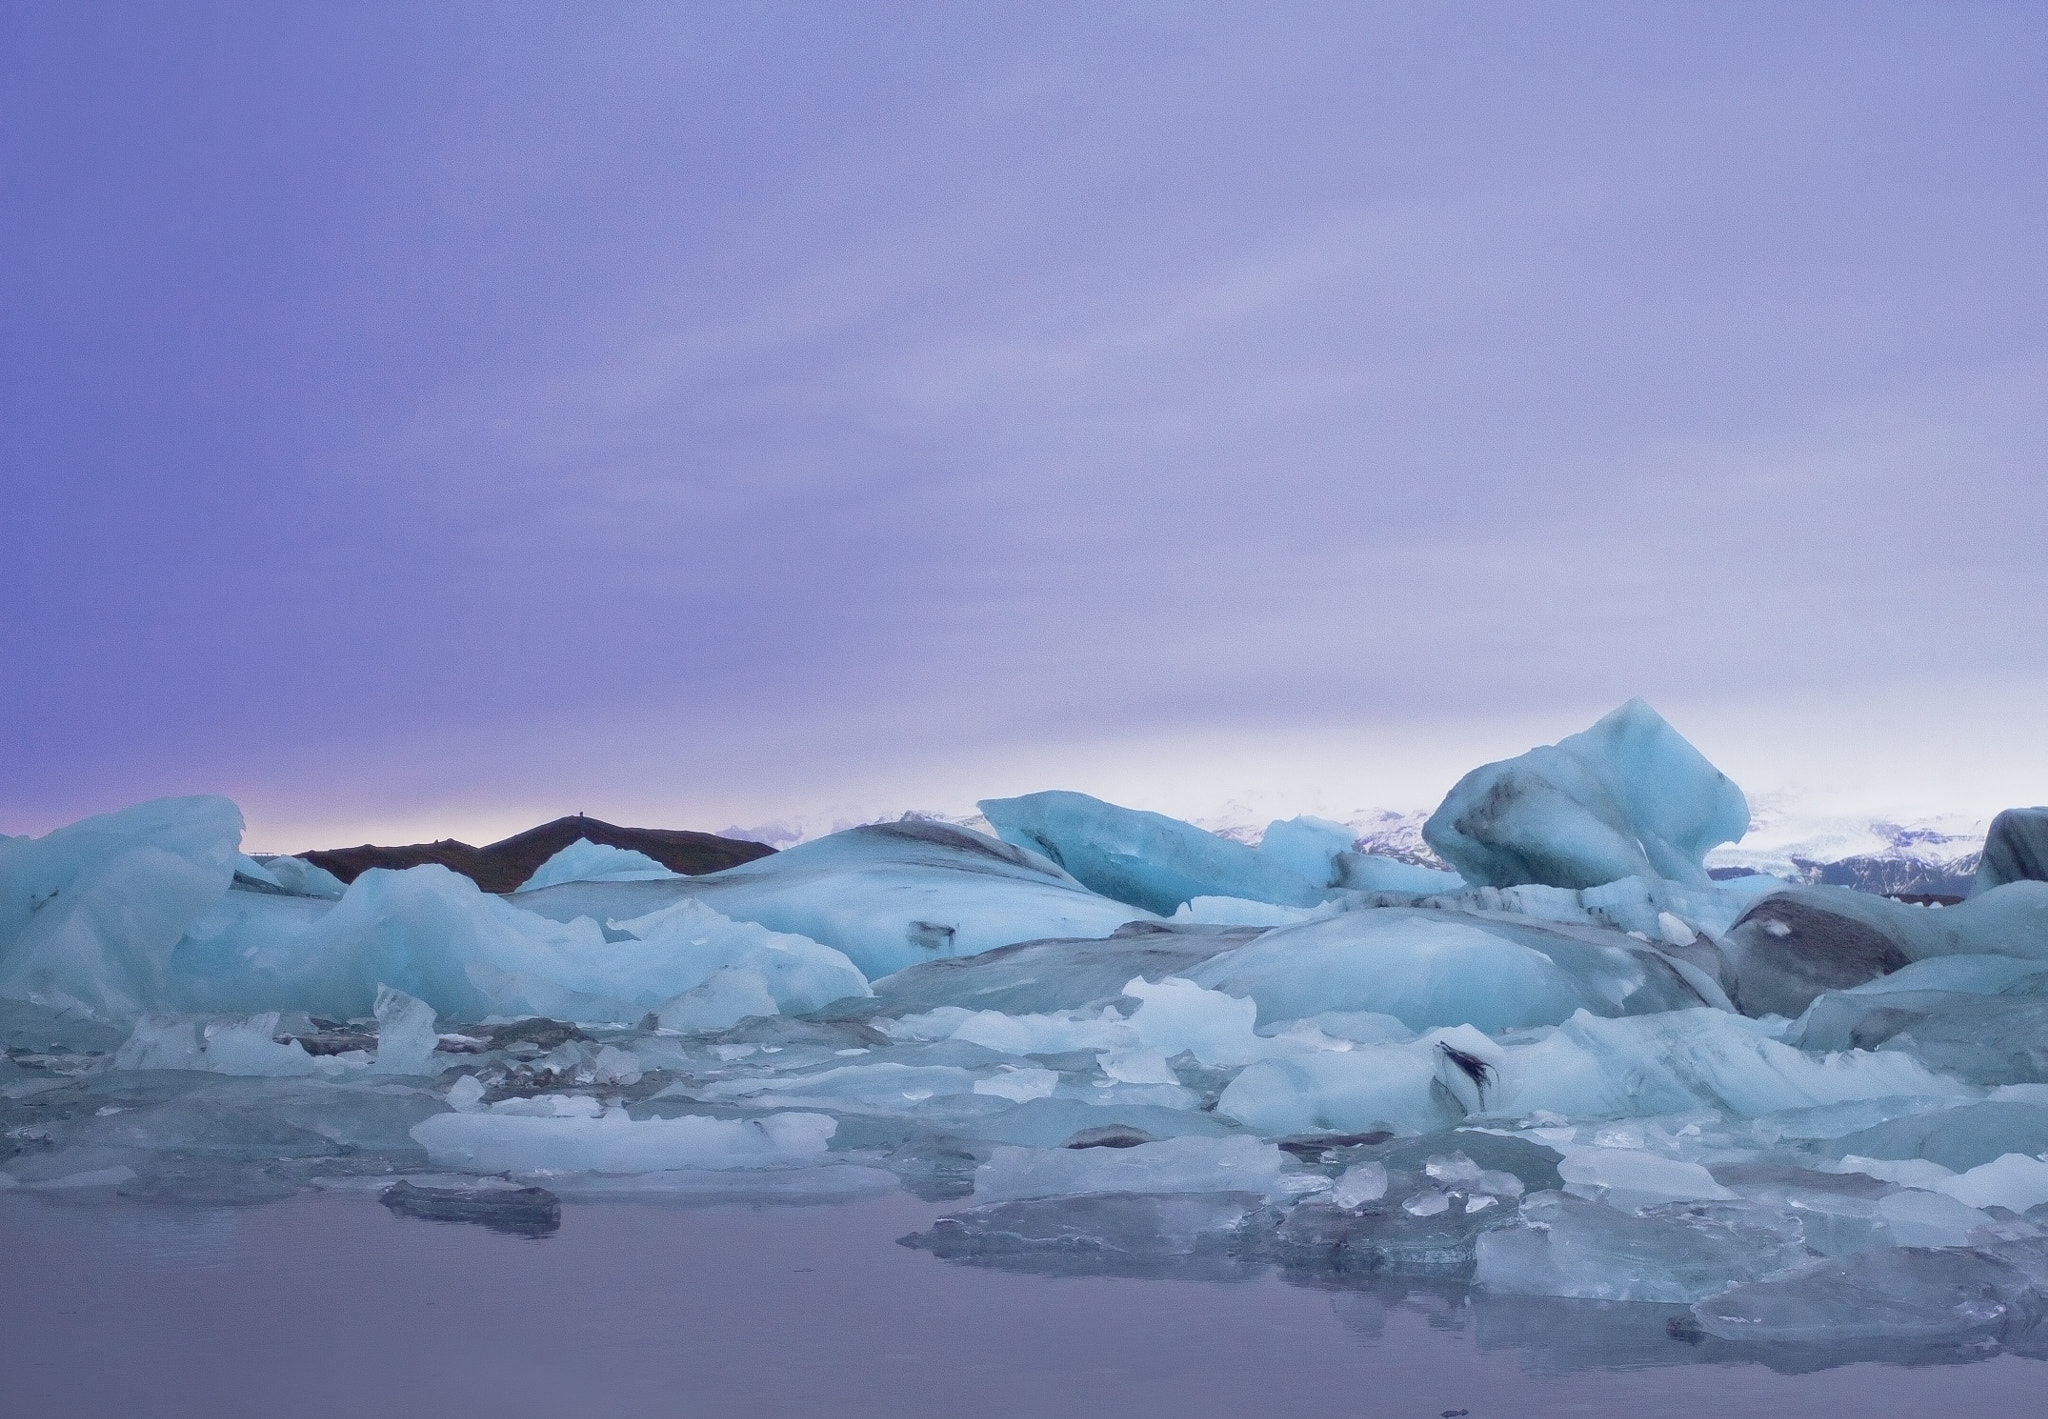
(311, 1305)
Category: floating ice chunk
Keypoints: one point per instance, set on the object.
(1958, 1138)
(1041, 977)
(466, 1095)
(1176, 1015)
(1641, 903)
(614, 1143)
(1365, 1027)
(161, 1041)
(1360, 1183)
(1148, 859)
(1961, 975)
(1427, 1203)
(247, 1045)
(883, 1088)
(1019, 1085)
(1307, 847)
(249, 869)
(1907, 1172)
(223, 1045)
(302, 879)
(1627, 797)
(1354, 1092)
(1929, 1219)
(1189, 1164)
(2011, 1180)
(1138, 1066)
(2015, 850)
(1674, 930)
(1238, 911)
(1044, 1034)
(586, 861)
(799, 973)
(1894, 1294)
(727, 996)
(1101, 1230)
(1587, 1068)
(1370, 872)
(405, 1033)
(1629, 1179)
(1687, 1059)
(549, 1106)
(889, 896)
(1674, 1252)
(93, 911)
(616, 1066)
(1427, 970)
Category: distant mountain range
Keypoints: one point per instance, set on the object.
(502, 866)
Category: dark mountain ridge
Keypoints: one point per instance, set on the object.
(502, 866)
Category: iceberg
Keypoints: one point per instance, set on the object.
(586, 861)
(1543, 1085)
(2015, 850)
(611, 1142)
(1628, 797)
(92, 912)
(1431, 968)
(887, 896)
(1160, 863)
(1192, 1164)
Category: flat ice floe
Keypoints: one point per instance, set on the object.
(1582, 1069)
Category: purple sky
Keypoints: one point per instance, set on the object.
(425, 420)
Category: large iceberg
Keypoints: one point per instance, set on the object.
(888, 896)
(1628, 797)
(1159, 863)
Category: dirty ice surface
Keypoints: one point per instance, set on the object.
(1581, 1070)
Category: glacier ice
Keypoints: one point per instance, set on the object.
(611, 1142)
(405, 1033)
(1156, 862)
(92, 912)
(586, 861)
(2015, 850)
(1430, 968)
(1628, 797)
(1191, 1164)
(1544, 1088)
(887, 896)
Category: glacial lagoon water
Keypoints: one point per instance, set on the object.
(327, 1304)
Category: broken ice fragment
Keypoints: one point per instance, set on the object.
(405, 1033)
(1361, 1183)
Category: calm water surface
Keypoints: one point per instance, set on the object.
(327, 1305)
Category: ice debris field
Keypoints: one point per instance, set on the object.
(1575, 1065)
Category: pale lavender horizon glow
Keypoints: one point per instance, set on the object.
(422, 421)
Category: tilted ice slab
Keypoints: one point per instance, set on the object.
(1429, 968)
(1158, 863)
(888, 896)
(1037, 977)
(1588, 1067)
(1628, 797)
(1189, 1164)
(611, 1142)
(92, 912)
(586, 861)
